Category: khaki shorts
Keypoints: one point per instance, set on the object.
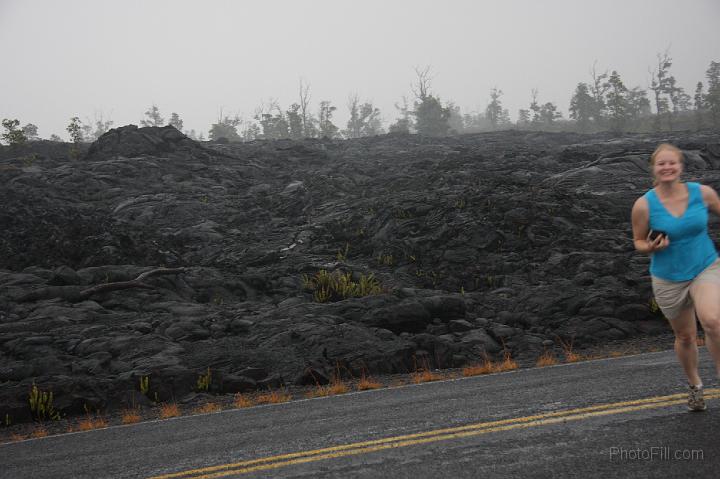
(674, 296)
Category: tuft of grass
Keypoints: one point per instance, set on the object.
(546, 359)
(169, 410)
(366, 383)
(573, 357)
(90, 423)
(486, 367)
(15, 437)
(653, 306)
(507, 364)
(336, 386)
(339, 387)
(41, 405)
(203, 381)
(273, 397)
(318, 391)
(242, 401)
(570, 355)
(131, 416)
(342, 255)
(337, 286)
(144, 385)
(207, 408)
(38, 432)
(386, 259)
(423, 374)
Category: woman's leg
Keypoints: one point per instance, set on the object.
(685, 330)
(706, 296)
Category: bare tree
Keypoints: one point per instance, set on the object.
(598, 89)
(304, 105)
(534, 106)
(421, 89)
(662, 86)
(354, 124)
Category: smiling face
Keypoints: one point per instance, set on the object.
(667, 166)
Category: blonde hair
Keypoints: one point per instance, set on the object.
(665, 147)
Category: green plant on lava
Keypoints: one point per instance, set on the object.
(204, 380)
(338, 285)
(41, 405)
(342, 255)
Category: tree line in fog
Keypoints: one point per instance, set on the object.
(602, 103)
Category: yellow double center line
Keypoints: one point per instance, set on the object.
(283, 460)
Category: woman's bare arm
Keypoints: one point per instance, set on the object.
(641, 229)
(710, 198)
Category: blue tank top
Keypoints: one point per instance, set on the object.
(691, 250)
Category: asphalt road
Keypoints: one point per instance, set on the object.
(623, 417)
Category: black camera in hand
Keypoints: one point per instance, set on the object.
(654, 234)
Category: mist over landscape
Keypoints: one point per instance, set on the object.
(213, 205)
(109, 64)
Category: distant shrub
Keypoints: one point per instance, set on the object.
(14, 136)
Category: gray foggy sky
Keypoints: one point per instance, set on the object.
(86, 57)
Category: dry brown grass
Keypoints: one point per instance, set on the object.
(366, 383)
(546, 359)
(573, 357)
(339, 387)
(15, 437)
(38, 432)
(273, 397)
(242, 401)
(617, 354)
(318, 391)
(336, 386)
(169, 410)
(207, 408)
(487, 366)
(424, 376)
(130, 416)
(507, 364)
(90, 423)
(570, 355)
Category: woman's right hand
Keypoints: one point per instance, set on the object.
(658, 244)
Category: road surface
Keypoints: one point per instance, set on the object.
(621, 417)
